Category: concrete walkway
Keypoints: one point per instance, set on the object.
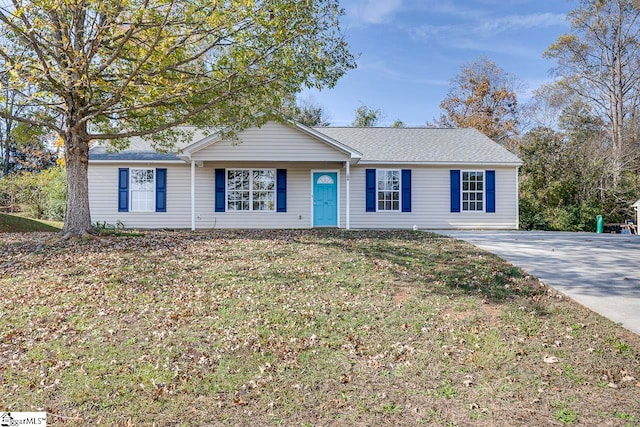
(600, 271)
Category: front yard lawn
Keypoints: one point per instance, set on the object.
(12, 223)
(300, 328)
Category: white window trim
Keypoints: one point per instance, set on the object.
(153, 190)
(484, 191)
(275, 189)
(399, 191)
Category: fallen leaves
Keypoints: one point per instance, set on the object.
(299, 326)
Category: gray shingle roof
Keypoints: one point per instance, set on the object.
(421, 145)
(142, 149)
(377, 144)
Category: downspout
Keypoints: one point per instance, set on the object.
(348, 178)
(193, 195)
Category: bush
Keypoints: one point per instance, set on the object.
(56, 205)
(9, 191)
(531, 218)
(40, 194)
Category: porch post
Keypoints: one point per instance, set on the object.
(517, 197)
(193, 195)
(348, 176)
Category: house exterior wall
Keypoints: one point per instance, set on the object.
(103, 196)
(272, 142)
(430, 201)
(430, 207)
(299, 205)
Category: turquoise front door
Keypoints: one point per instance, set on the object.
(325, 199)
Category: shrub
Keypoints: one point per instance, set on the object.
(40, 194)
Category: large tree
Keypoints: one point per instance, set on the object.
(599, 61)
(483, 96)
(113, 69)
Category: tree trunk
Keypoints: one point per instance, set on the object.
(77, 220)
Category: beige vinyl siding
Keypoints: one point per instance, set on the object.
(298, 214)
(430, 201)
(103, 197)
(272, 142)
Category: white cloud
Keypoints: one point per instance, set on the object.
(488, 34)
(431, 82)
(522, 22)
(376, 11)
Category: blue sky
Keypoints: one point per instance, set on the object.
(410, 49)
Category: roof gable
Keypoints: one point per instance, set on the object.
(271, 142)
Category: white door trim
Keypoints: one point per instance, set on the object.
(337, 172)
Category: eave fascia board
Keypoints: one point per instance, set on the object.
(355, 154)
(136, 161)
(435, 163)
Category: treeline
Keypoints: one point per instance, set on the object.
(579, 137)
(586, 159)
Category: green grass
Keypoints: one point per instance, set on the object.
(566, 416)
(300, 328)
(11, 223)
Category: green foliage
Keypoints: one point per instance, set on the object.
(597, 65)
(56, 187)
(117, 229)
(124, 69)
(366, 116)
(532, 216)
(39, 194)
(567, 178)
(566, 415)
(448, 391)
(622, 415)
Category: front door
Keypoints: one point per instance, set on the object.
(325, 199)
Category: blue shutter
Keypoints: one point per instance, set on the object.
(123, 190)
(371, 190)
(406, 190)
(161, 190)
(455, 190)
(281, 186)
(490, 185)
(220, 190)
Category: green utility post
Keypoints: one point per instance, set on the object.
(599, 224)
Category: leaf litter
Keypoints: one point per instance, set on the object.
(299, 327)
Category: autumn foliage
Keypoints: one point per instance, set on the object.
(483, 97)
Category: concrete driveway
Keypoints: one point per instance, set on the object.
(600, 271)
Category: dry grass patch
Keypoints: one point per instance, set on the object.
(300, 328)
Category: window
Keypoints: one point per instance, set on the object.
(472, 191)
(388, 190)
(143, 195)
(251, 190)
